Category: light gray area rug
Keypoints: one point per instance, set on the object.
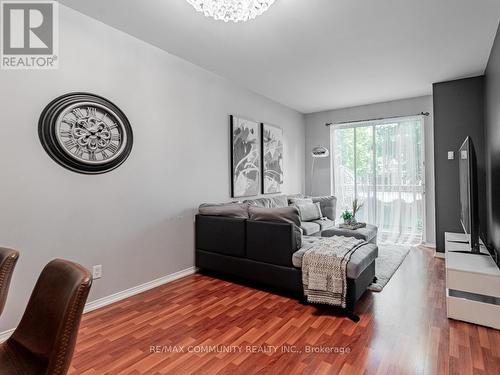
(389, 259)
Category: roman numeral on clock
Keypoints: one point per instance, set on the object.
(69, 144)
(79, 151)
(65, 133)
(116, 137)
(113, 148)
(91, 111)
(78, 113)
(70, 121)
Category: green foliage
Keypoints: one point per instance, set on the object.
(347, 216)
(386, 139)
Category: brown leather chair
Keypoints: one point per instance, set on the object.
(45, 339)
(8, 260)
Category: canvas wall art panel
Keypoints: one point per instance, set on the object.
(245, 157)
(272, 158)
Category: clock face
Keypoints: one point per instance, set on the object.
(91, 133)
(85, 133)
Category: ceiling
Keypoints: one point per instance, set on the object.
(314, 55)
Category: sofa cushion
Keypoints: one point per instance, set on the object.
(328, 206)
(309, 228)
(309, 211)
(272, 243)
(220, 234)
(325, 223)
(259, 202)
(281, 214)
(360, 259)
(269, 202)
(287, 214)
(279, 200)
(368, 233)
(299, 200)
(234, 210)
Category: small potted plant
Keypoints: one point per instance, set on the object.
(347, 216)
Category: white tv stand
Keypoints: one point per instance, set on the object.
(472, 283)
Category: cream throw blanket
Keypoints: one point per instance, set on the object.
(324, 268)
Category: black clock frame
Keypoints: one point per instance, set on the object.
(47, 133)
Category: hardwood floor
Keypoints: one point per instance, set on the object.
(403, 330)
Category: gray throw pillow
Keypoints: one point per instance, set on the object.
(234, 210)
(309, 211)
(279, 201)
(299, 200)
(269, 202)
(259, 202)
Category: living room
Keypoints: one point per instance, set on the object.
(242, 186)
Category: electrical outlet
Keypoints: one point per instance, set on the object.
(97, 271)
(451, 155)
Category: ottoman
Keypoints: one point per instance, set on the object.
(360, 270)
(368, 233)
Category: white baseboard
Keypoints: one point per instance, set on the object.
(438, 254)
(429, 244)
(101, 302)
(105, 301)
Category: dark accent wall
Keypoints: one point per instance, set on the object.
(458, 113)
(492, 120)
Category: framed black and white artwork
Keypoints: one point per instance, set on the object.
(245, 157)
(272, 159)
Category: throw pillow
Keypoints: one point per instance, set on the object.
(279, 201)
(309, 211)
(299, 200)
(259, 202)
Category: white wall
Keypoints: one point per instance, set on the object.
(319, 134)
(137, 221)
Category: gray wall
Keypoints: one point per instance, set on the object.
(492, 99)
(318, 134)
(137, 221)
(458, 113)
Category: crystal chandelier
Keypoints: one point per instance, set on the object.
(231, 10)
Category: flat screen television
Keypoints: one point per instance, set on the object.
(469, 216)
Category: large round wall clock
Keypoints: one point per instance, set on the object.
(85, 133)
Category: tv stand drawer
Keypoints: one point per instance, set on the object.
(470, 309)
(471, 282)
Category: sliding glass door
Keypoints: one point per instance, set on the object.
(382, 164)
